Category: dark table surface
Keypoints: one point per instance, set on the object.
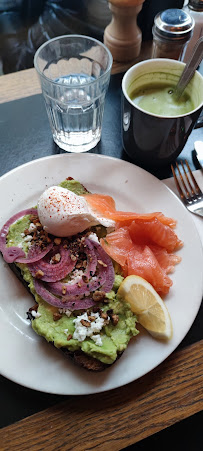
(25, 136)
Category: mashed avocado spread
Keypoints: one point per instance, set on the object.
(113, 338)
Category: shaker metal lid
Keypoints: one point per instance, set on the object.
(196, 5)
(174, 24)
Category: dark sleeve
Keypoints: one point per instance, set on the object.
(86, 17)
(59, 17)
(14, 53)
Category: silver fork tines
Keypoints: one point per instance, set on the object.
(190, 192)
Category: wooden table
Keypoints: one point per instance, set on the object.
(116, 419)
(26, 83)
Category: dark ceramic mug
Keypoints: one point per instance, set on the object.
(152, 140)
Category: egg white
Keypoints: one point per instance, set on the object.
(63, 213)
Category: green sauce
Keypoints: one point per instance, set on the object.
(157, 98)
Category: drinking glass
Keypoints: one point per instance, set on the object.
(74, 73)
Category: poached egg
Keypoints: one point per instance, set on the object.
(63, 213)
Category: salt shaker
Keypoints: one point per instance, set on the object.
(172, 30)
(195, 9)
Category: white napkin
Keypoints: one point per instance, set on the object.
(198, 220)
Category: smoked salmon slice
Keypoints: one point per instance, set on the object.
(154, 231)
(105, 206)
(117, 245)
(144, 255)
(143, 263)
(166, 260)
(142, 244)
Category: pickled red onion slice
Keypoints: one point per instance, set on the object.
(52, 272)
(35, 254)
(79, 287)
(73, 304)
(14, 253)
(108, 270)
(103, 279)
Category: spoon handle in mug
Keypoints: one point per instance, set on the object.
(190, 68)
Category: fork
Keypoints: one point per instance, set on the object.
(190, 192)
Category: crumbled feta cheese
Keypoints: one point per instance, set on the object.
(32, 227)
(76, 276)
(22, 234)
(81, 331)
(20, 245)
(97, 339)
(35, 314)
(77, 273)
(66, 311)
(66, 331)
(28, 238)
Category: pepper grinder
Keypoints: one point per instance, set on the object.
(123, 36)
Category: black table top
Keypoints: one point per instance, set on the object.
(26, 135)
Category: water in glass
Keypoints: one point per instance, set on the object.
(75, 116)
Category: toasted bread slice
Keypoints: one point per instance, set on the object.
(78, 357)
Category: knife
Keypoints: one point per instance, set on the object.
(198, 146)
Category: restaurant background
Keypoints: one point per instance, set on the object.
(26, 24)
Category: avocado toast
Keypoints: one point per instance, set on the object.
(75, 285)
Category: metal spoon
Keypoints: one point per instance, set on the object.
(190, 68)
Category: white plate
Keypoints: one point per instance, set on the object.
(28, 359)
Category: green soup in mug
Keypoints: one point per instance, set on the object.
(157, 98)
(155, 130)
(151, 90)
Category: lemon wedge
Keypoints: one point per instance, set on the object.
(148, 306)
